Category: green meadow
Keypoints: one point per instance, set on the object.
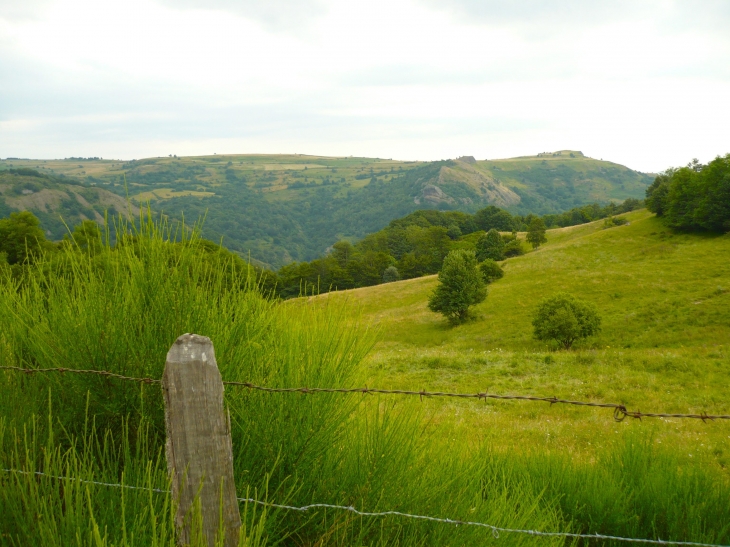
(516, 465)
(664, 299)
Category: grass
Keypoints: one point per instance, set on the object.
(665, 305)
(510, 465)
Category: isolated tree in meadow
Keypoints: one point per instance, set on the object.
(565, 319)
(460, 286)
(490, 245)
(536, 233)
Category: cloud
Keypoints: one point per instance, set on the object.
(272, 14)
(547, 17)
(18, 10)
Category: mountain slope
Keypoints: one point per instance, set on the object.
(281, 208)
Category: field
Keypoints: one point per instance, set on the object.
(516, 465)
(665, 305)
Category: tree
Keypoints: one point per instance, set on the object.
(87, 236)
(460, 286)
(391, 274)
(536, 233)
(490, 245)
(565, 319)
(21, 237)
(494, 217)
(491, 271)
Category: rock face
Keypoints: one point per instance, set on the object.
(467, 159)
(461, 183)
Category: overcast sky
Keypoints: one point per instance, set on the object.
(645, 83)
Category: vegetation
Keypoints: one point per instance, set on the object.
(416, 245)
(276, 209)
(512, 464)
(695, 197)
(565, 319)
(460, 286)
(536, 233)
(491, 271)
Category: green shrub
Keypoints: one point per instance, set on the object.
(391, 274)
(460, 286)
(565, 319)
(491, 271)
(513, 248)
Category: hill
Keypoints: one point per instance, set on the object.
(55, 200)
(665, 303)
(281, 208)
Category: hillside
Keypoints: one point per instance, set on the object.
(665, 304)
(281, 208)
(56, 200)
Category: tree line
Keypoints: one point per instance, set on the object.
(694, 197)
(416, 245)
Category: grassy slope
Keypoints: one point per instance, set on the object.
(665, 303)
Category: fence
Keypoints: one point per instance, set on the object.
(199, 448)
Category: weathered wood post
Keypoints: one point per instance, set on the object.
(198, 449)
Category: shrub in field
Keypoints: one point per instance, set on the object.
(460, 286)
(513, 248)
(565, 319)
(490, 245)
(491, 271)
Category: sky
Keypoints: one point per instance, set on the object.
(643, 83)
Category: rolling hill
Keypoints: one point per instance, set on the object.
(664, 299)
(280, 208)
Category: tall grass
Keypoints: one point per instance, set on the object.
(121, 308)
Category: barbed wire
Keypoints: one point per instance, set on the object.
(620, 412)
(62, 370)
(380, 514)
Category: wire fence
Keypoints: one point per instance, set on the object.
(620, 412)
(496, 530)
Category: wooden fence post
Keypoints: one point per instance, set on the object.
(198, 448)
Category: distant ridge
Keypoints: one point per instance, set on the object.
(277, 208)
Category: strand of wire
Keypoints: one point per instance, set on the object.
(620, 412)
(381, 514)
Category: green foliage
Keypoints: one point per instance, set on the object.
(21, 237)
(536, 233)
(513, 248)
(490, 246)
(391, 274)
(612, 222)
(460, 286)
(695, 197)
(565, 319)
(492, 217)
(87, 237)
(491, 271)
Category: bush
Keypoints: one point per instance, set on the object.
(513, 248)
(460, 286)
(491, 271)
(610, 222)
(565, 319)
